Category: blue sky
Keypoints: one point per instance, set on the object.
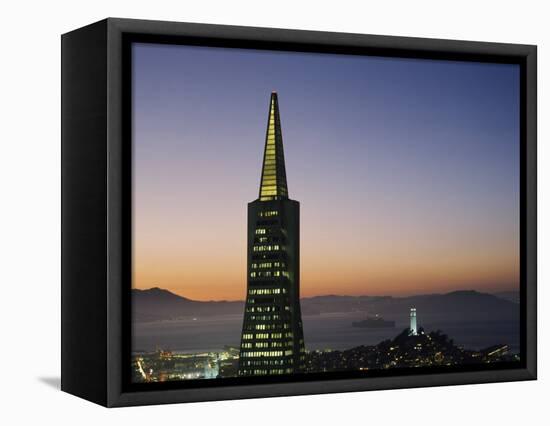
(413, 160)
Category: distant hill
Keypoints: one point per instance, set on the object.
(455, 306)
(156, 304)
(512, 296)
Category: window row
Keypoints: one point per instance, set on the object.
(270, 372)
(255, 274)
(257, 354)
(266, 362)
(264, 317)
(250, 336)
(269, 213)
(261, 309)
(269, 247)
(265, 344)
(267, 291)
(266, 265)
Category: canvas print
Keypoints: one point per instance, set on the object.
(300, 214)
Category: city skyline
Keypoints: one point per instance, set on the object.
(408, 173)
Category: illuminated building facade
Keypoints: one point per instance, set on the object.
(413, 329)
(272, 340)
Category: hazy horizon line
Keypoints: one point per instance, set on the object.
(400, 295)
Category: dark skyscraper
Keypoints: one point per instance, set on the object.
(272, 340)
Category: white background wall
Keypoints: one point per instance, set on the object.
(30, 200)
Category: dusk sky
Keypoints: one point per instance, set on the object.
(407, 171)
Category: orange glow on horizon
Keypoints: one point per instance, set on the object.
(208, 262)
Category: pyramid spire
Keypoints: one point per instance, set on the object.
(273, 183)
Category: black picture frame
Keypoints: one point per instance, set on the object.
(96, 208)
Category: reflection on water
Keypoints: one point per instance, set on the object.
(327, 331)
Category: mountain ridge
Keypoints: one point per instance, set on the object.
(157, 304)
(508, 295)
